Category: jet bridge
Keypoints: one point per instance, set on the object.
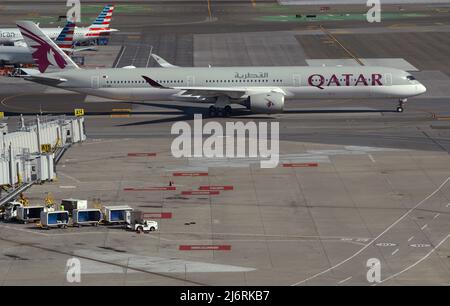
(29, 154)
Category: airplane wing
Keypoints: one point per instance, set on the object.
(29, 71)
(70, 50)
(105, 30)
(45, 80)
(162, 62)
(20, 43)
(232, 92)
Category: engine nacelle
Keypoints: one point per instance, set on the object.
(267, 103)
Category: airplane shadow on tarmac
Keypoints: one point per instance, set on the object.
(187, 113)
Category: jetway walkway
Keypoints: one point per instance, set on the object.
(29, 155)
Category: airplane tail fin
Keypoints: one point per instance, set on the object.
(44, 50)
(65, 38)
(103, 20)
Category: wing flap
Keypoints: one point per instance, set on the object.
(232, 92)
(208, 92)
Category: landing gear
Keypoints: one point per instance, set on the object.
(220, 112)
(401, 105)
(227, 111)
(212, 111)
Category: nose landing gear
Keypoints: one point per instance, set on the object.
(401, 105)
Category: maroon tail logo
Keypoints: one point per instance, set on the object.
(269, 103)
(44, 54)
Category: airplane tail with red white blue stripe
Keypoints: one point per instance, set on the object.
(65, 38)
(103, 20)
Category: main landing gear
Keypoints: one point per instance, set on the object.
(219, 111)
(401, 105)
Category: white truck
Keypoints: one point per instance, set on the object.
(135, 222)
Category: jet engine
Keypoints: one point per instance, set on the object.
(266, 103)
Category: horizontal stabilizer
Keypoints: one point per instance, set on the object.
(45, 80)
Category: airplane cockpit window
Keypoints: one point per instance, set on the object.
(411, 78)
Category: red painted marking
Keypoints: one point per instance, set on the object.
(200, 192)
(190, 174)
(216, 188)
(157, 215)
(141, 154)
(151, 188)
(205, 248)
(301, 165)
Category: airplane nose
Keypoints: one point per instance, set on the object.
(421, 89)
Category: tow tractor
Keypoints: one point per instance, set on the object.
(135, 222)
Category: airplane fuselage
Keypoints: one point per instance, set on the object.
(15, 55)
(293, 82)
(11, 35)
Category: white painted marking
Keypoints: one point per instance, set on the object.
(395, 252)
(67, 187)
(417, 262)
(420, 245)
(69, 177)
(99, 141)
(149, 56)
(424, 227)
(118, 61)
(371, 158)
(345, 280)
(385, 244)
(259, 235)
(379, 236)
(412, 237)
(437, 215)
(362, 240)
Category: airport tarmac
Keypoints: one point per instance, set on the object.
(356, 180)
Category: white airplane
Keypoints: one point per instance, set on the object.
(261, 89)
(22, 55)
(100, 27)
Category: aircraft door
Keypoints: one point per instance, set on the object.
(190, 80)
(297, 80)
(95, 80)
(388, 79)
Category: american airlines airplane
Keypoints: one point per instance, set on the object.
(100, 27)
(16, 55)
(260, 89)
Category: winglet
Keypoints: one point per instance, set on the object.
(152, 82)
(162, 62)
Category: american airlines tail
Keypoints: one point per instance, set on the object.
(45, 51)
(65, 38)
(103, 20)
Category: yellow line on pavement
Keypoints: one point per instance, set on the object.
(209, 9)
(341, 45)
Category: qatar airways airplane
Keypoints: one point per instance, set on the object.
(100, 27)
(260, 89)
